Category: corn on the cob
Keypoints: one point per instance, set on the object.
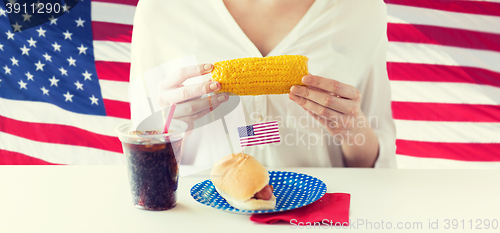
(260, 76)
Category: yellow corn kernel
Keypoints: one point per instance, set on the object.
(260, 75)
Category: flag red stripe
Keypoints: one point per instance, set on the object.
(443, 36)
(112, 32)
(399, 71)
(455, 151)
(59, 134)
(116, 108)
(262, 143)
(113, 71)
(125, 2)
(470, 7)
(16, 158)
(445, 112)
(266, 125)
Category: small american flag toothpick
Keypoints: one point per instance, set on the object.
(259, 134)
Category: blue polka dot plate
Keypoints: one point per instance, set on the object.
(292, 190)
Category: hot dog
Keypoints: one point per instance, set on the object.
(243, 182)
(265, 194)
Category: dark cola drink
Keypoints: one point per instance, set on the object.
(153, 169)
(153, 160)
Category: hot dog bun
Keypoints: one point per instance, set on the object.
(237, 178)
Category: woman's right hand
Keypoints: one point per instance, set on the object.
(190, 106)
(172, 90)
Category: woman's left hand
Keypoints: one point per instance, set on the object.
(336, 105)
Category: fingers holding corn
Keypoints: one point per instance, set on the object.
(331, 102)
(260, 76)
(171, 89)
(194, 107)
(191, 104)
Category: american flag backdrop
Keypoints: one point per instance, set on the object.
(443, 60)
(443, 63)
(64, 85)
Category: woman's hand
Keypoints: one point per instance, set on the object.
(337, 106)
(172, 90)
(190, 107)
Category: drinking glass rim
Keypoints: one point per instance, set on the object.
(175, 123)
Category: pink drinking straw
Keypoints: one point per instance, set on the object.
(170, 114)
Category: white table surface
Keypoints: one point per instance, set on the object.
(97, 199)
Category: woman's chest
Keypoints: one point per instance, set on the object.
(266, 24)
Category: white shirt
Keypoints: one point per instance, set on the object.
(344, 40)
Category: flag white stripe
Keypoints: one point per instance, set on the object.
(434, 163)
(442, 55)
(113, 13)
(458, 132)
(39, 112)
(112, 51)
(114, 90)
(260, 139)
(260, 136)
(265, 127)
(258, 131)
(60, 153)
(441, 92)
(260, 143)
(425, 16)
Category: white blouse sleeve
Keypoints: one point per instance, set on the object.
(376, 100)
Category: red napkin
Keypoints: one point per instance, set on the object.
(332, 207)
